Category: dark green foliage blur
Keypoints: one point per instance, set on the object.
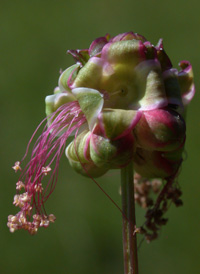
(86, 237)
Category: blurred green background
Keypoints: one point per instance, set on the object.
(86, 237)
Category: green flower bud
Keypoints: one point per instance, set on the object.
(113, 154)
(116, 123)
(88, 169)
(78, 154)
(67, 77)
(157, 164)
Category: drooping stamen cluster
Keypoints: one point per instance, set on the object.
(47, 151)
(143, 188)
(155, 211)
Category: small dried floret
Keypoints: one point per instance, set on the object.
(156, 184)
(178, 202)
(151, 237)
(143, 188)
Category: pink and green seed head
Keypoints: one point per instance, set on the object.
(123, 101)
(142, 92)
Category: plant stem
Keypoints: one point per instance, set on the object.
(128, 208)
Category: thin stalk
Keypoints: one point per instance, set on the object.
(128, 208)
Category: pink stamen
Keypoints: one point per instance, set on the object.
(46, 151)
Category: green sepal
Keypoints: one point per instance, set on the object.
(186, 82)
(174, 156)
(88, 169)
(150, 81)
(113, 154)
(90, 75)
(78, 150)
(78, 154)
(117, 122)
(157, 164)
(91, 103)
(172, 87)
(127, 51)
(56, 90)
(80, 55)
(71, 73)
(53, 102)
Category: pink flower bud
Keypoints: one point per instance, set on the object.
(157, 164)
(160, 129)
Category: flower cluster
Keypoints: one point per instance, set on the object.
(134, 102)
(124, 102)
(143, 188)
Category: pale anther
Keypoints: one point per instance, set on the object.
(46, 170)
(20, 185)
(17, 167)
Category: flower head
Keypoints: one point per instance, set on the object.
(122, 101)
(140, 97)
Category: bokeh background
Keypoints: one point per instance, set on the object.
(86, 237)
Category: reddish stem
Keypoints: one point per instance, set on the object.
(128, 208)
